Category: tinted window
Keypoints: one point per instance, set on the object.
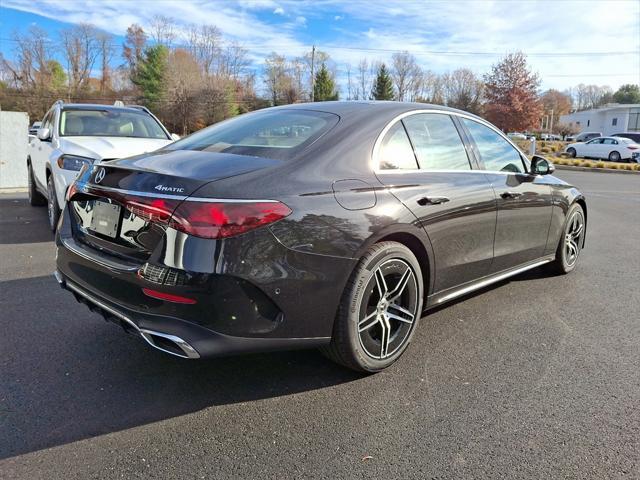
(109, 123)
(277, 134)
(497, 154)
(395, 150)
(609, 141)
(596, 141)
(436, 142)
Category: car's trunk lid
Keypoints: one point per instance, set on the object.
(123, 205)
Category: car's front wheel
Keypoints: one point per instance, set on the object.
(53, 209)
(571, 152)
(379, 310)
(571, 242)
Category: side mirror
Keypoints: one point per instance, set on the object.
(541, 166)
(175, 136)
(44, 133)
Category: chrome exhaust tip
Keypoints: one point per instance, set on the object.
(164, 342)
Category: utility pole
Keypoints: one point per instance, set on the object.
(313, 76)
(551, 122)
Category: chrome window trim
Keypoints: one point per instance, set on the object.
(82, 187)
(376, 146)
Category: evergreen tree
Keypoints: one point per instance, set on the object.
(627, 94)
(383, 85)
(324, 88)
(150, 75)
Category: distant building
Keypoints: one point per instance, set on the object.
(609, 119)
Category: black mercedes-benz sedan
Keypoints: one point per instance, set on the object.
(332, 225)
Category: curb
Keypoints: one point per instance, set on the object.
(13, 190)
(599, 170)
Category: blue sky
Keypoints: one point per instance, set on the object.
(565, 40)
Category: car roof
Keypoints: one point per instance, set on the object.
(345, 108)
(98, 106)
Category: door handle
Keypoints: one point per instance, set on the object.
(506, 195)
(432, 200)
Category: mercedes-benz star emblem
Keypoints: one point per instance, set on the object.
(100, 175)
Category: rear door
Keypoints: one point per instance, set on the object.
(524, 201)
(425, 161)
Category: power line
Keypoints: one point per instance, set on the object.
(412, 51)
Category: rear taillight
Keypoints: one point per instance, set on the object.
(633, 147)
(225, 219)
(207, 219)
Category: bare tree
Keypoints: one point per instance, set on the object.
(205, 44)
(405, 74)
(105, 44)
(463, 90)
(276, 78)
(134, 43)
(233, 61)
(163, 30)
(81, 50)
(184, 83)
(432, 88)
(363, 88)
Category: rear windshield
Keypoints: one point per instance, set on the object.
(277, 134)
(109, 123)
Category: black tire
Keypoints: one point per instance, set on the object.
(53, 209)
(614, 156)
(564, 263)
(361, 327)
(36, 199)
(571, 152)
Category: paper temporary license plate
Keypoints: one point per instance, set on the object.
(105, 218)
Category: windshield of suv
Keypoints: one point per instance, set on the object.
(109, 123)
(277, 134)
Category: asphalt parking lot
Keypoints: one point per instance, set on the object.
(537, 377)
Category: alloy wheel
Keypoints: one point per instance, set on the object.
(573, 238)
(389, 309)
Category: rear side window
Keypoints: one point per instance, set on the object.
(396, 152)
(497, 154)
(277, 134)
(437, 142)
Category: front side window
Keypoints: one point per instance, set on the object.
(396, 152)
(109, 123)
(496, 153)
(277, 134)
(437, 142)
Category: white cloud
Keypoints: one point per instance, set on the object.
(369, 29)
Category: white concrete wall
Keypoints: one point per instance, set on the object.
(14, 138)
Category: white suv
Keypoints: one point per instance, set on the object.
(73, 135)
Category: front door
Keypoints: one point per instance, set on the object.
(430, 172)
(524, 201)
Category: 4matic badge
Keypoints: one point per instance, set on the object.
(162, 188)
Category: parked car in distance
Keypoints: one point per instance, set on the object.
(614, 149)
(570, 138)
(635, 136)
(73, 135)
(331, 224)
(586, 136)
(33, 129)
(517, 136)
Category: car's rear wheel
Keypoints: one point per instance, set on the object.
(571, 242)
(571, 152)
(36, 199)
(379, 310)
(53, 209)
(614, 157)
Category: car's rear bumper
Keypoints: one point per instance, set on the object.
(178, 337)
(258, 295)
